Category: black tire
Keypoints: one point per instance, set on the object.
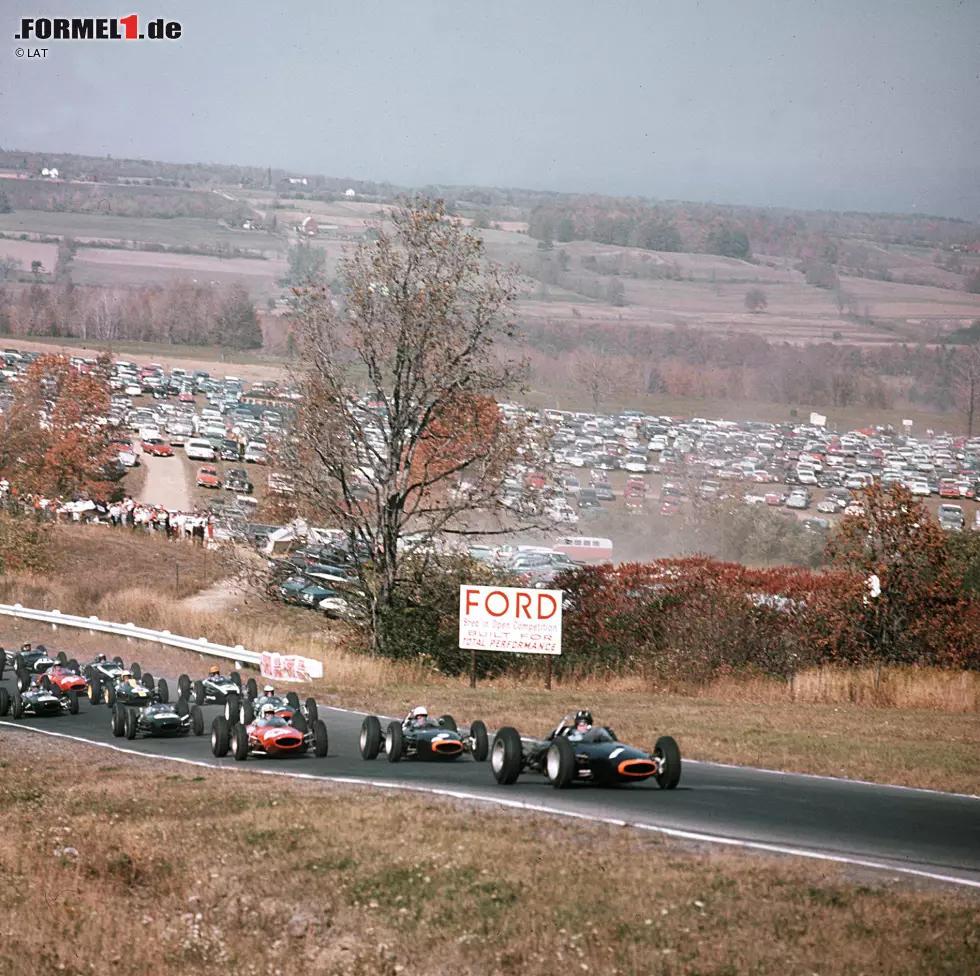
(94, 690)
(184, 687)
(199, 693)
(130, 723)
(239, 742)
(394, 742)
(23, 680)
(298, 722)
(118, 721)
(118, 660)
(220, 736)
(481, 741)
(668, 750)
(137, 670)
(18, 662)
(370, 741)
(3, 662)
(237, 678)
(109, 695)
(62, 658)
(163, 690)
(312, 712)
(320, 740)
(72, 664)
(248, 713)
(293, 699)
(4, 702)
(45, 682)
(560, 763)
(147, 681)
(72, 697)
(182, 708)
(197, 720)
(251, 689)
(16, 706)
(506, 757)
(233, 708)
(448, 722)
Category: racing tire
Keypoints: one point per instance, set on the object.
(45, 682)
(18, 662)
(3, 661)
(147, 681)
(130, 723)
(506, 756)
(137, 670)
(239, 742)
(72, 697)
(293, 699)
(237, 678)
(197, 720)
(298, 722)
(559, 763)
(199, 693)
(320, 740)
(394, 742)
(16, 706)
(109, 695)
(233, 711)
(62, 658)
(118, 660)
(220, 740)
(668, 750)
(94, 690)
(448, 722)
(4, 702)
(23, 680)
(248, 713)
(118, 721)
(370, 741)
(163, 690)
(182, 708)
(481, 741)
(251, 689)
(184, 687)
(312, 712)
(72, 664)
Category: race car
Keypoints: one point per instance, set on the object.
(127, 690)
(288, 707)
(62, 679)
(269, 735)
(103, 671)
(159, 719)
(419, 737)
(30, 661)
(215, 689)
(36, 701)
(577, 750)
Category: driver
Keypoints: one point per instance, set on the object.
(583, 724)
(100, 659)
(214, 672)
(126, 678)
(268, 691)
(266, 713)
(419, 716)
(25, 648)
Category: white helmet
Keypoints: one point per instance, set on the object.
(268, 711)
(420, 712)
(268, 690)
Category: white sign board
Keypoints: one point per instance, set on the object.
(906, 423)
(818, 419)
(510, 618)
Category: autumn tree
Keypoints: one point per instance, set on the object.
(398, 430)
(755, 300)
(966, 364)
(237, 325)
(591, 371)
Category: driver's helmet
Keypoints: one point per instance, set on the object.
(127, 677)
(420, 714)
(583, 721)
(268, 691)
(214, 670)
(267, 711)
(100, 658)
(24, 648)
(41, 648)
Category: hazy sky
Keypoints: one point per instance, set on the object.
(837, 104)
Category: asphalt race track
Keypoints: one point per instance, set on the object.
(912, 831)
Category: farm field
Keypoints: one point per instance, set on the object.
(28, 251)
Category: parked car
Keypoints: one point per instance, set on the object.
(198, 449)
(237, 480)
(207, 477)
(156, 447)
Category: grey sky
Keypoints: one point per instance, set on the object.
(836, 104)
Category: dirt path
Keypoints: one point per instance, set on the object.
(227, 594)
(166, 483)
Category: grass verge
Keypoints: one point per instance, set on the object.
(207, 872)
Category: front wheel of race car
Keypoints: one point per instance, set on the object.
(130, 723)
(394, 742)
(669, 754)
(109, 695)
(184, 687)
(137, 670)
(251, 689)
(560, 763)
(197, 721)
(312, 712)
(72, 665)
(198, 692)
(118, 721)
(506, 756)
(23, 680)
(4, 702)
(163, 690)
(293, 699)
(220, 736)
(481, 741)
(147, 681)
(448, 722)
(237, 678)
(72, 697)
(299, 723)
(16, 705)
(94, 690)
(320, 740)
(239, 742)
(247, 712)
(62, 658)
(370, 737)
(232, 709)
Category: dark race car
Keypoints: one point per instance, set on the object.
(127, 690)
(30, 661)
(583, 753)
(36, 701)
(103, 672)
(159, 719)
(419, 737)
(215, 689)
(269, 735)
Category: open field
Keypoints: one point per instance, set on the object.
(28, 251)
(179, 860)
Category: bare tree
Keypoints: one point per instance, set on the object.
(591, 371)
(398, 430)
(967, 366)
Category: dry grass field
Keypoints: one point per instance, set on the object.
(204, 871)
(28, 251)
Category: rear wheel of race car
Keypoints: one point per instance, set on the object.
(219, 736)
(118, 660)
(394, 742)
(560, 763)
(130, 723)
(293, 699)
(72, 697)
(239, 742)
(46, 682)
(448, 722)
(251, 689)
(109, 694)
(312, 712)
(94, 690)
(4, 702)
(163, 690)
(3, 661)
(199, 693)
(481, 741)
(370, 737)
(18, 662)
(23, 680)
(298, 722)
(237, 678)
(184, 687)
(118, 721)
(137, 670)
(506, 756)
(72, 664)
(147, 681)
(197, 720)
(62, 658)
(16, 705)
(320, 740)
(182, 708)
(669, 753)
(233, 712)
(248, 713)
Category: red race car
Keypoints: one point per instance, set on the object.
(269, 735)
(157, 447)
(62, 679)
(207, 477)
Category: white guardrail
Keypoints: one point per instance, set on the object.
(283, 667)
